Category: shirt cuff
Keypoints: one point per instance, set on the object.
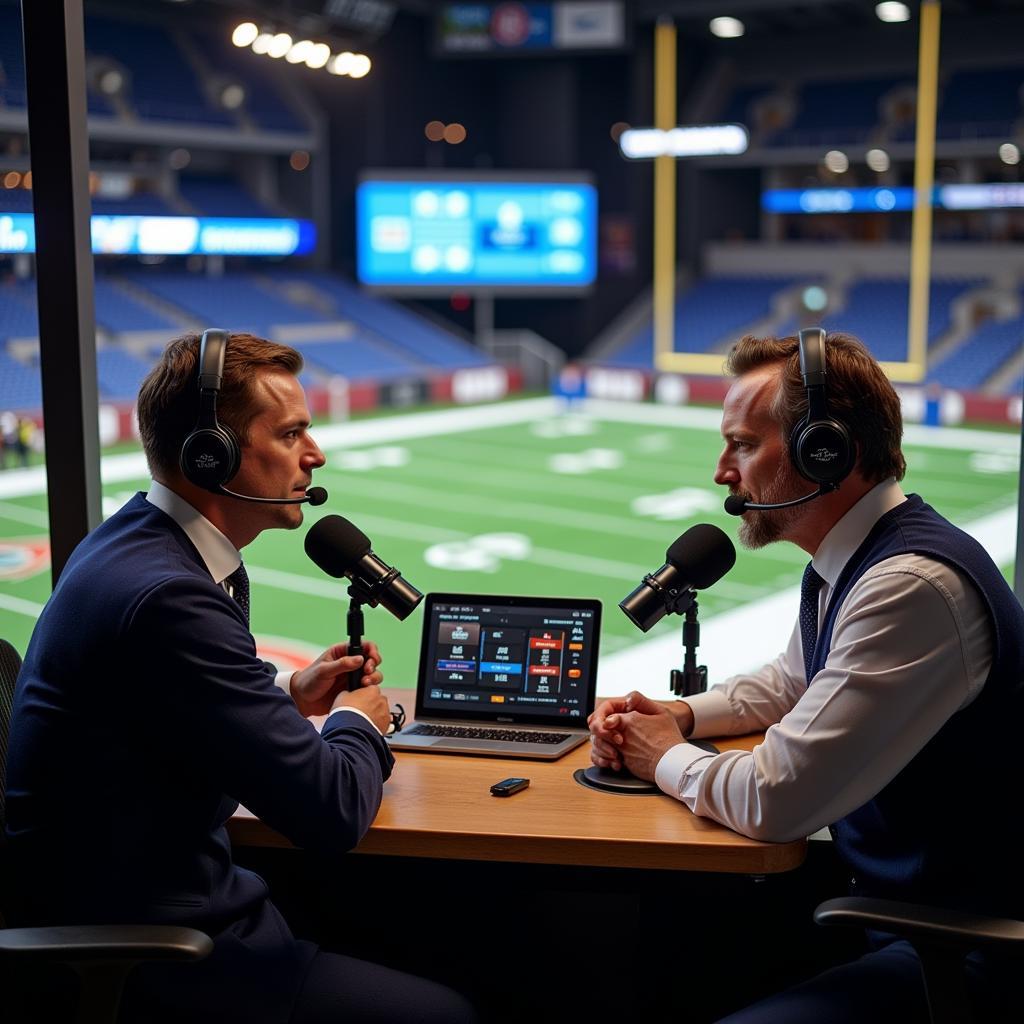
(675, 763)
(283, 680)
(354, 711)
(712, 714)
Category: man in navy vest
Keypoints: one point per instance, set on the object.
(893, 715)
(143, 715)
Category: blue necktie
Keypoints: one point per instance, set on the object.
(809, 615)
(238, 582)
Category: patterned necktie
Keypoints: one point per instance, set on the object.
(809, 615)
(238, 581)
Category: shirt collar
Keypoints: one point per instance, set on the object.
(847, 535)
(217, 552)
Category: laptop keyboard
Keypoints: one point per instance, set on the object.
(462, 732)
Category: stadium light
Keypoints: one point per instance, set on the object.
(360, 66)
(1009, 153)
(686, 140)
(299, 51)
(892, 13)
(837, 161)
(261, 44)
(319, 55)
(245, 34)
(341, 63)
(727, 28)
(279, 45)
(232, 96)
(877, 160)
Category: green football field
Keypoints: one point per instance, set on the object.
(520, 497)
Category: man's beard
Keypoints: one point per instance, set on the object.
(758, 529)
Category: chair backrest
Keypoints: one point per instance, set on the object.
(10, 665)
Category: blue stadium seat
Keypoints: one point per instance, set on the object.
(419, 338)
(359, 358)
(981, 104)
(12, 58)
(19, 314)
(220, 197)
(119, 312)
(711, 311)
(119, 373)
(20, 387)
(15, 200)
(163, 87)
(971, 364)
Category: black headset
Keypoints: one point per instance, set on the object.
(820, 445)
(210, 455)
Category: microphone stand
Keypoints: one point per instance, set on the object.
(358, 596)
(692, 678)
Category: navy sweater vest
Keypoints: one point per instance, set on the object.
(949, 828)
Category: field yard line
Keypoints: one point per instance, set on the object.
(763, 627)
(697, 418)
(20, 514)
(20, 605)
(297, 583)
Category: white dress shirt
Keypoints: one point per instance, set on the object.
(911, 645)
(220, 556)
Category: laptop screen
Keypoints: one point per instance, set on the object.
(531, 660)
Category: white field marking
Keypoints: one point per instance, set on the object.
(482, 553)
(16, 483)
(360, 460)
(297, 583)
(654, 444)
(20, 605)
(745, 638)
(963, 438)
(460, 501)
(20, 514)
(592, 460)
(564, 426)
(682, 503)
(994, 462)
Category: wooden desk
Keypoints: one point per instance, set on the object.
(439, 805)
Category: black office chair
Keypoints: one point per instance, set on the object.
(941, 937)
(101, 955)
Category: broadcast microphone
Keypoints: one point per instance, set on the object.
(314, 495)
(695, 560)
(736, 504)
(340, 548)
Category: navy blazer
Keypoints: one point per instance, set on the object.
(142, 716)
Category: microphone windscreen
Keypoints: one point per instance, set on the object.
(316, 495)
(336, 545)
(704, 554)
(735, 504)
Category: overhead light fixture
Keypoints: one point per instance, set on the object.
(245, 34)
(837, 161)
(691, 140)
(892, 13)
(877, 160)
(261, 44)
(279, 45)
(1009, 153)
(727, 28)
(319, 54)
(360, 66)
(341, 63)
(232, 96)
(299, 51)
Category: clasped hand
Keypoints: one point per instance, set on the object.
(632, 731)
(323, 685)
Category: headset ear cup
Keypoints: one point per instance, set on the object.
(210, 457)
(822, 451)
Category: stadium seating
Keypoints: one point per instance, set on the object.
(12, 58)
(152, 61)
(417, 337)
(971, 364)
(119, 312)
(119, 373)
(220, 197)
(20, 386)
(360, 358)
(877, 312)
(19, 316)
(713, 311)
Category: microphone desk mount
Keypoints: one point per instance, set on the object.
(359, 595)
(691, 678)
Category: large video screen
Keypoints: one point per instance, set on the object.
(428, 234)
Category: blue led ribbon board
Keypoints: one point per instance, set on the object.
(446, 233)
(175, 236)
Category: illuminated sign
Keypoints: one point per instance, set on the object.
(443, 233)
(175, 236)
(686, 140)
(887, 200)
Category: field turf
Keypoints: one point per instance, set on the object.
(521, 497)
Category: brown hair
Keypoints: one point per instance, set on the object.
(168, 404)
(859, 396)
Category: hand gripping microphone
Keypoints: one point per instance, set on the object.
(695, 560)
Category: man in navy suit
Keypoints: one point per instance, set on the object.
(143, 716)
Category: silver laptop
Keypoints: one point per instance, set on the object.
(504, 676)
